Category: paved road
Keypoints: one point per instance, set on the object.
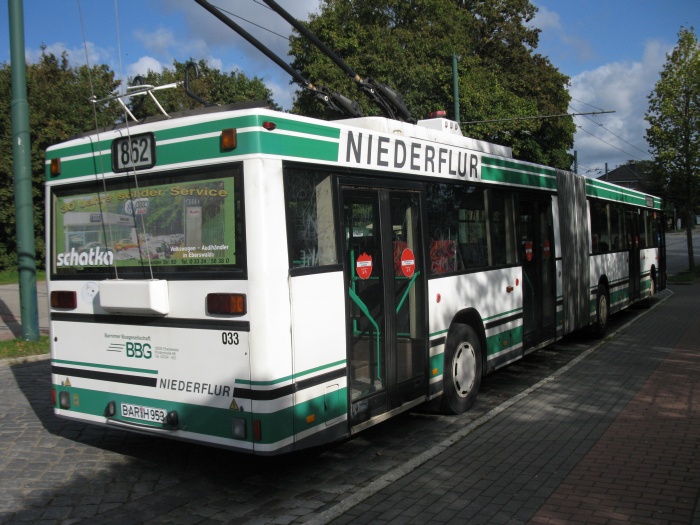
(677, 251)
(10, 311)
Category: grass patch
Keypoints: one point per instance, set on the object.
(12, 276)
(20, 348)
(685, 277)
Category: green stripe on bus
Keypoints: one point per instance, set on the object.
(521, 178)
(513, 165)
(208, 148)
(249, 142)
(504, 340)
(595, 188)
(297, 126)
(503, 314)
(293, 376)
(108, 367)
(299, 147)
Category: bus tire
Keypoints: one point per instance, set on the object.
(602, 310)
(462, 377)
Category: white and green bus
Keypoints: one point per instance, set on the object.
(265, 282)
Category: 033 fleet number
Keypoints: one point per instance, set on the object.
(229, 338)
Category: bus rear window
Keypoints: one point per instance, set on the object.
(162, 226)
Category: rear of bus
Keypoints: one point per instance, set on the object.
(147, 277)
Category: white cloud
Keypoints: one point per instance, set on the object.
(143, 65)
(76, 55)
(570, 46)
(622, 87)
(546, 19)
(158, 42)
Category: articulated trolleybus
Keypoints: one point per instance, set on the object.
(265, 282)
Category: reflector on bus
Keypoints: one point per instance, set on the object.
(55, 167)
(229, 139)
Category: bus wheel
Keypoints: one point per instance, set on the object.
(602, 311)
(462, 376)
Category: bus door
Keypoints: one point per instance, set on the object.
(633, 247)
(386, 314)
(537, 257)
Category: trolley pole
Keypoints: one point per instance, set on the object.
(22, 169)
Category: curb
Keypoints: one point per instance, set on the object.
(12, 361)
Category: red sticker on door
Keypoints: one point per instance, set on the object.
(408, 263)
(364, 266)
(528, 251)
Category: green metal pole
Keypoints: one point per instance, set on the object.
(455, 86)
(22, 169)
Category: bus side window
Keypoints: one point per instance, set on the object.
(443, 219)
(617, 226)
(310, 219)
(600, 227)
(470, 227)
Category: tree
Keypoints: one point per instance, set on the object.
(211, 85)
(59, 107)
(409, 46)
(674, 129)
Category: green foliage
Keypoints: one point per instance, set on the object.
(409, 46)
(59, 107)
(674, 128)
(211, 85)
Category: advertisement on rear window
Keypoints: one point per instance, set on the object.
(177, 224)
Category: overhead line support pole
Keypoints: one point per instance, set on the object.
(22, 169)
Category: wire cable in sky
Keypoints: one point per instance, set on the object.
(608, 143)
(252, 23)
(586, 103)
(612, 133)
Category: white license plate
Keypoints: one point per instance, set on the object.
(155, 415)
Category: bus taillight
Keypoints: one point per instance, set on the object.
(64, 299)
(226, 303)
(257, 430)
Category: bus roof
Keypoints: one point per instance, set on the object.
(433, 147)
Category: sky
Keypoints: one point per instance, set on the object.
(612, 50)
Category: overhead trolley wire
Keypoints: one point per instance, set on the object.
(251, 22)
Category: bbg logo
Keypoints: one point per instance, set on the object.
(138, 350)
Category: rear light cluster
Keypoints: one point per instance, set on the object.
(64, 299)
(226, 303)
